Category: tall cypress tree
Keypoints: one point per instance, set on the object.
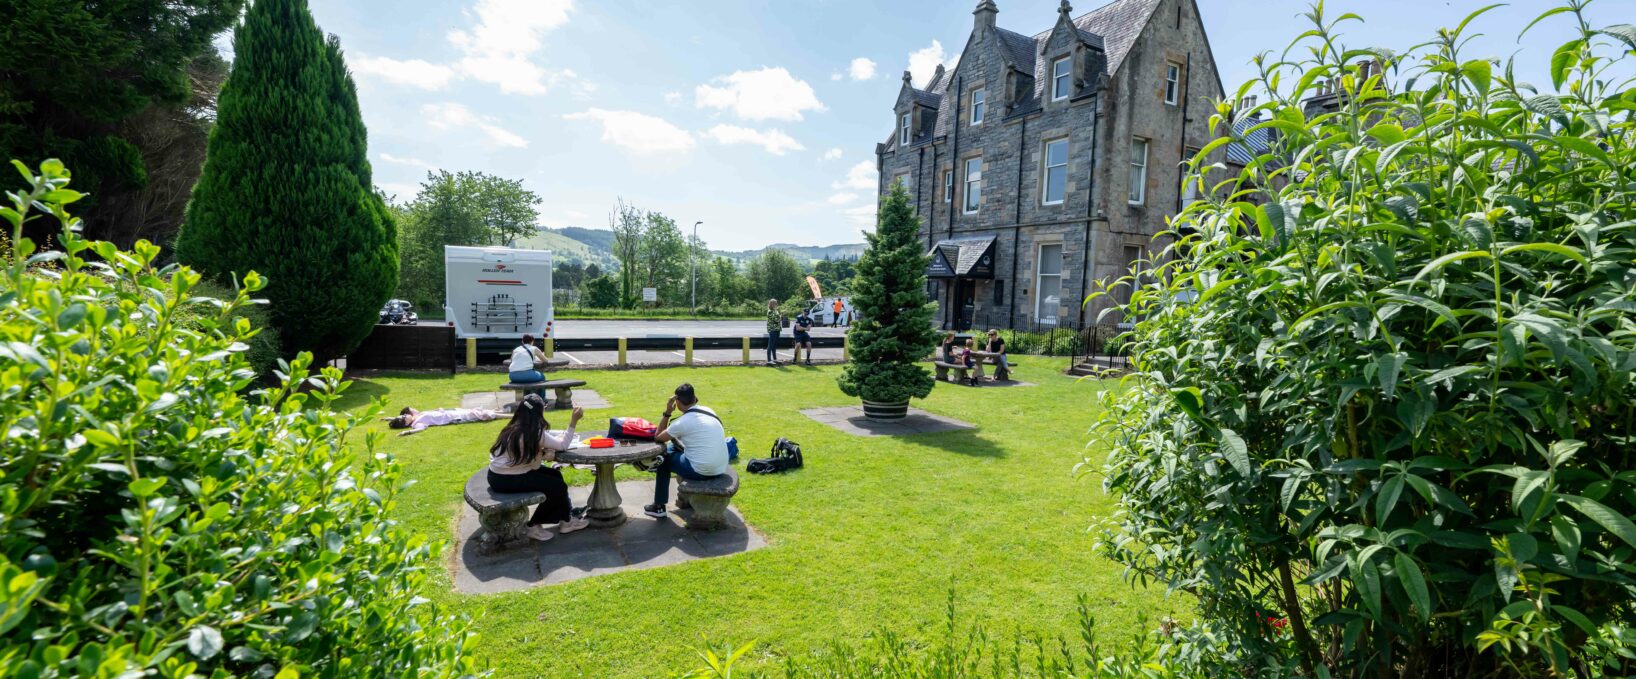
(286, 189)
(895, 332)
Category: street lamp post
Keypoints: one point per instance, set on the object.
(693, 269)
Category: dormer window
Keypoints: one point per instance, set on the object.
(903, 130)
(1061, 79)
(979, 106)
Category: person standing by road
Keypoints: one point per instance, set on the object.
(775, 327)
(803, 337)
(837, 306)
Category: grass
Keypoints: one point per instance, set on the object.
(875, 533)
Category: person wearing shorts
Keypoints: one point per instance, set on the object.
(803, 336)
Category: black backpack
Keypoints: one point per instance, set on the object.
(786, 455)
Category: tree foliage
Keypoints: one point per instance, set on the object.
(115, 89)
(894, 332)
(774, 274)
(161, 517)
(286, 188)
(1383, 389)
(458, 208)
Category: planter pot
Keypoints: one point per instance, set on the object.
(885, 412)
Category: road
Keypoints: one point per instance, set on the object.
(656, 357)
(597, 329)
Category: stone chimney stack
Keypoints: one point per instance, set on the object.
(985, 13)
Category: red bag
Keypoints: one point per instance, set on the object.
(631, 428)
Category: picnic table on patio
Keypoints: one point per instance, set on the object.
(1001, 372)
(604, 510)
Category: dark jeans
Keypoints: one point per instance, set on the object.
(677, 463)
(527, 377)
(556, 506)
(772, 345)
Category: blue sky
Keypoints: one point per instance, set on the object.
(758, 118)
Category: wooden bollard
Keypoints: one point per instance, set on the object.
(471, 352)
(621, 352)
(550, 347)
(746, 351)
(687, 343)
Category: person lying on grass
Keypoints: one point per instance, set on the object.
(417, 421)
(516, 466)
(697, 446)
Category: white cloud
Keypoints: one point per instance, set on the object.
(500, 48)
(842, 198)
(836, 76)
(673, 98)
(862, 215)
(832, 154)
(862, 177)
(638, 133)
(411, 162)
(413, 72)
(398, 192)
(773, 141)
(861, 69)
(450, 116)
(924, 62)
(766, 94)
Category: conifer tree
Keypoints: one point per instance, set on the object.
(286, 189)
(895, 331)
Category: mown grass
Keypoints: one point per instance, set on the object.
(874, 534)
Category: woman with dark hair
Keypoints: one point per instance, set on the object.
(515, 466)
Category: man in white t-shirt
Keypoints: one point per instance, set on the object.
(698, 447)
(416, 421)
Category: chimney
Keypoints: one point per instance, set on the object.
(985, 13)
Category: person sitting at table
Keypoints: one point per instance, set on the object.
(949, 349)
(974, 365)
(697, 446)
(416, 421)
(515, 466)
(997, 346)
(526, 361)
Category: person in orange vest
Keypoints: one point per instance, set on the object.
(837, 307)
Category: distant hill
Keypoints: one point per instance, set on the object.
(577, 243)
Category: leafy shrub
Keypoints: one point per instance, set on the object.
(1400, 412)
(895, 331)
(263, 349)
(157, 521)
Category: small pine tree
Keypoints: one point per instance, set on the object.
(895, 332)
(287, 190)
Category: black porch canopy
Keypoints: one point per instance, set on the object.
(962, 258)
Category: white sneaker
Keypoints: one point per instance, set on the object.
(540, 533)
(572, 525)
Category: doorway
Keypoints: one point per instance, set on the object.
(964, 303)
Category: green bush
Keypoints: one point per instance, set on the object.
(286, 188)
(158, 520)
(264, 347)
(1383, 384)
(894, 332)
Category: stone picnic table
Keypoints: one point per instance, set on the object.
(603, 509)
(1001, 373)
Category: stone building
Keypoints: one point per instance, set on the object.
(1042, 163)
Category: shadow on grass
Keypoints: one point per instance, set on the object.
(360, 393)
(965, 442)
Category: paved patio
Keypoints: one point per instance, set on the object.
(502, 400)
(850, 419)
(641, 543)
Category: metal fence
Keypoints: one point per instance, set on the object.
(1095, 344)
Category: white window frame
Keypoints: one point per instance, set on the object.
(979, 106)
(948, 185)
(1045, 171)
(1133, 255)
(1039, 278)
(1138, 171)
(903, 129)
(1061, 82)
(973, 186)
(1173, 82)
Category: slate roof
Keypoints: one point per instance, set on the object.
(964, 253)
(1119, 23)
(1256, 143)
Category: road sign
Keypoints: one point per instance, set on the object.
(650, 294)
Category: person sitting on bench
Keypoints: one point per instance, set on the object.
(515, 467)
(697, 450)
(947, 355)
(526, 362)
(973, 364)
(417, 421)
(997, 346)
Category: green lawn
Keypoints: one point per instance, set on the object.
(874, 533)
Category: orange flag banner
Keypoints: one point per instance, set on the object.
(813, 283)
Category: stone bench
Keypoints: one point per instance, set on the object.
(708, 499)
(504, 516)
(564, 391)
(943, 370)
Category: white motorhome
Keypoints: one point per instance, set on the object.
(497, 292)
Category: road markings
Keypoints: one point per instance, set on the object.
(571, 357)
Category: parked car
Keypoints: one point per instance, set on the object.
(398, 312)
(823, 311)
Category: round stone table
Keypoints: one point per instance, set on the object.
(604, 510)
